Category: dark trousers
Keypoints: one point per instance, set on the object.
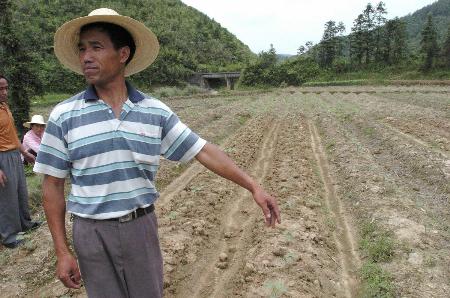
(119, 259)
(14, 214)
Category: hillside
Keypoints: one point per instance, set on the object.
(415, 21)
(190, 41)
(440, 11)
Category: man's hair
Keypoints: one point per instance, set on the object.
(118, 35)
(3, 77)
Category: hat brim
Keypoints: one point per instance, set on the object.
(67, 39)
(28, 124)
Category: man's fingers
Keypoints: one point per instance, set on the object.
(267, 215)
(77, 276)
(276, 213)
(68, 282)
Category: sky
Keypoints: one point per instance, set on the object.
(287, 24)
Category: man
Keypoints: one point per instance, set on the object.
(109, 139)
(14, 214)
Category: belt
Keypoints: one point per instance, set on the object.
(133, 215)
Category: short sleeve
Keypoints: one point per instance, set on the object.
(53, 157)
(178, 142)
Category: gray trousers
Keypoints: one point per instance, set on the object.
(14, 214)
(119, 259)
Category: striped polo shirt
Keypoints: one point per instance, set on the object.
(112, 161)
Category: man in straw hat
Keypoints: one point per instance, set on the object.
(109, 139)
(32, 139)
(14, 214)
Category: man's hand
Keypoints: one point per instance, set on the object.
(269, 207)
(2, 179)
(68, 272)
(29, 157)
(217, 161)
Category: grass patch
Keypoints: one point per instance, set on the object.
(362, 82)
(376, 243)
(376, 281)
(50, 99)
(276, 288)
(377, 246)
(369, 131)
(243, 118)
(330, 146)
(34, 186)
(173, 91)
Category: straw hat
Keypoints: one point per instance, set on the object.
(67, 38)
(36, 119)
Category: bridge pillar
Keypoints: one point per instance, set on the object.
(204, 83)
(230, 83)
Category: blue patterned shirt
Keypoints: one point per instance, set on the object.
(112, 162)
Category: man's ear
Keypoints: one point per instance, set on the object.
(124, 54)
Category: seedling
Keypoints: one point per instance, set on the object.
(276, 288)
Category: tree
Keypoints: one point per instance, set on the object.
(263, 71)
(357, 40)
(393, 42)
(368, 34)
(399, 39)
(330, 45)
(445, 53)
(301, 50)
(16, 65)
(429, 46)
(380, 21)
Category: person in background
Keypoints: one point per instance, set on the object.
(33, 137)
(14, 214)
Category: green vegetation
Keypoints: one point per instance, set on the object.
(376, 281)
(190, 41)
(376, 51)
(49, 100)
(243, 118)
(378, 247)
(18, 65)
(377, 244)
(276, 288)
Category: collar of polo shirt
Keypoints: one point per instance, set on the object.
(135, 96)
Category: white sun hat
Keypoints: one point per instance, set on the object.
(36, 119)
(67, 38)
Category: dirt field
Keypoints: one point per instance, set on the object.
(362, 175)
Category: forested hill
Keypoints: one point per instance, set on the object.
(190, 41)
(416, 21)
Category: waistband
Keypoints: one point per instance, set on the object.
(125, 218)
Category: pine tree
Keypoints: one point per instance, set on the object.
(357, 41)
(393, 42)
(445, 54)
(399, 41)
(380, 21)
(368, 34)
(429, 45)
(330, 45)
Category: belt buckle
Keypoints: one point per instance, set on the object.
(127, 217)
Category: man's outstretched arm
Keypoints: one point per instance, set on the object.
(213, 158)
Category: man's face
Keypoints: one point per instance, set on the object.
(3, 90)
(100, 61)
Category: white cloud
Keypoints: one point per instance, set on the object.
(289, 23)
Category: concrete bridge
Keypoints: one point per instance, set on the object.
(209, 80)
